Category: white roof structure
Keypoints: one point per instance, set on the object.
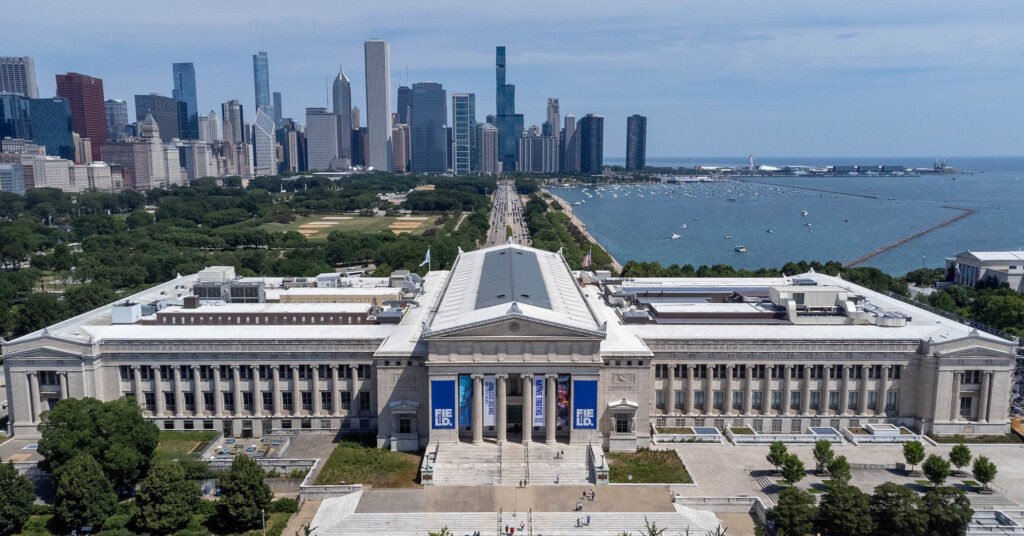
(995, 256)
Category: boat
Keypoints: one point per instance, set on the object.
(803, 212)
(675, 236)
(808, 224)
(741, 249)
(731, 199)
(698, 219)
(728, 236)
(578, 203)
(769, 231)
(683, 226)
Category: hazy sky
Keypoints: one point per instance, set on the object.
(723, 78)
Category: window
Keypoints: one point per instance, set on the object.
(244, 372)
(265, 372)
(229, 402)
(794, 426)
(872, 399)
(168, 425)
(306, 424)
(125, 372)
(325, 400)
(47, 377)
(834, 372)
(965, 406)
(895, 372)
(405, 424)
(286, 372)
(325, 424)
(621, 423)
(323, 371)
(718, 400)
(680, 402)
(794, 400)
(207, 425)
(757, 425)
(287, 402)
(776, 426)
(778, 371)
(875, 372)
(815, 371)
(890, 400)
(799, 372)
(150, 399)
(755, 400)
(205, 373)
(757, 372)
(719, 424)
(286, 424)
(344, 372)
(363, 373)
(208, 403)
(739, 371)
(737, 400)
(659, 400)
(364, 401)
(701, 371)
(247, 402)
(815, 423)
(145, 373)
(268, 401)
(307, 400)
(971, 377)
(858, 372)
(853, 400)
(169, 402)
(190, 425)
(834, 423)
(777, 400)
(815, 400)
(346, 401)
(698, 400)
(661, 371)
(305, 372)
(679, 371)
(190, 401)
(833, 401)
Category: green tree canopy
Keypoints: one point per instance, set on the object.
(16, 496)
(795, 513)
(913, 453)
(839, 470)
(85, 496)
(936, 468)
(822, 454)
(960, 456)
(166, 498)
(845, 511)
(984, 470)
(243, 495)
(896, 511)
(777, 454)
(948, 509)
(792, 469)
(113, 433)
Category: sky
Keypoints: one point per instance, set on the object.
(724, 78)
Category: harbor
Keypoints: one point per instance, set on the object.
(567, 208)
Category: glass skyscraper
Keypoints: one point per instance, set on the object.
(261, 80)
(428, 115)
(591, 133)
(636, 142)
(185, 93)
(51, 126)
(14, 117)
(263, 144)
(464, 133)
(117, 118)
(509, 123)
(165, 110)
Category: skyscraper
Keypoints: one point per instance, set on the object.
(14, 116)
(400, 147)
(18, 75)
(117, 118)
(427, 120)
(321, 138)
(404, 101)
(342, 100)
(570, 145)
(51, 121)
(261, 80)
(591, 133)
(234, 121)
(263, 144)
(88, 112)
(188, 107)
(538, 153)
(277, 109)
(487, 148)
(553, 118)
(209, 127)
(378, 104)
(463, 133)
(509, 123)
(636, 142)
(165, 111)
(356, 120)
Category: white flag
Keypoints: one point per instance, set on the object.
(426, 259)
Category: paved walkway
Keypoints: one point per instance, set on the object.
(513, 499)
(305, 515)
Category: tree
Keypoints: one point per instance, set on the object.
(16, 496)
(936, 469)
(913, 453)
(845, 511)
(85, 496)
(822, 454)
(243, 494)
(984, 470)
(960, 457)
(949, 511)
(777, 454)
(795, 513)
(114, 433)
(792, 469)
(839, 470)
(166, 498)
(896, 511)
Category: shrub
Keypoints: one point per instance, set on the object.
(284, 505)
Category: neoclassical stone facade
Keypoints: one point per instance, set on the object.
(510, 345)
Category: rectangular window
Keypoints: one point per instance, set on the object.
(306, 424)
(364, 401)
(307, 400)
(890, 400)
(794, 426)
(777, 400)
(125, 372)
(718, 400)
(150, 399)
(659, 400)
(208, 403)
(169, 404)
(190, 425)
(229, 402)
(872, 399)
(776, 426)
(701, 371)
(168, 425)
(799, 372)
(621, 423)
(858, 372)
(698, 400)
(895, 371)
(207, 425)
(757, 425)
(190, 402)
(364, 372)
(286, 424)
(268, 401)
(661, 371)
(247, 400)
(346, 401)
(737, 400)
(325, 401)
(287, 402)
(405, 425)
(815, 401)
(794, 400)
(833, 400)
(755, 401)
(680, 402)
(965, 406)
(853, 401)
(679, 371)
(739, 371)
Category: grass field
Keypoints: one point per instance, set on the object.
(647, 467)
(353, 463)
(184, 442)
(318, 226)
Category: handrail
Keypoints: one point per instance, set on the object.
(529, 520)
(526, 448)
(501, 469)
(499, 521)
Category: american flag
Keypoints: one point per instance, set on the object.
(586, 260)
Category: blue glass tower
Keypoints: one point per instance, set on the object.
(185, 93)
(14, 118)
(51, 126)
(428, 112)
(509, 123)
(261, 80)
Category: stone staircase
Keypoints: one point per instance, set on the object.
(467, 465)
(506, 465)
(513, 464)
(572, 468)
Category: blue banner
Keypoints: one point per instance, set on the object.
(465, 400)
(442, 404)
(584, 404)
(538, 401)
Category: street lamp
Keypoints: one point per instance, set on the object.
(263, 517)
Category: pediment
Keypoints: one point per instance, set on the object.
(515, 327)
(46, 351)
(978, 352)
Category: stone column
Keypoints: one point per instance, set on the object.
(257, 391)
(236, 380)
(787, 389)
(315, 390)
(477, 416)
(549, 408)
(983, 395)
(296, 393)
(197, 392)
(33, 393)
(826, 392)
(63, 376)
(709, 391)
(278, 402)
(805, 393)
(353, 375)
(528, 402)
(158, 390)
(766, 391)
(844, 392)
(691, 371)
(179, 393)
(137, 378)
(218, 398)
(954, 397)
(501, 417)
(748, 389)
(883, 391)
(335, 390)
(862, 404)
(727, 391)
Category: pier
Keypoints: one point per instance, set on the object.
(965, 212)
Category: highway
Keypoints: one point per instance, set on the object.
(507, 211)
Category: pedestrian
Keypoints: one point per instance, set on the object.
(588, 520)
(506, 528)
(522, 526)
(557, 478)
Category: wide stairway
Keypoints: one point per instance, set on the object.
(467, 465)
(570, 468)
(506, 465)
(543, 523)
(513, 464)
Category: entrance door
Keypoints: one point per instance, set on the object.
(515, 419)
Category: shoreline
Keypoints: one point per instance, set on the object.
(567, 208)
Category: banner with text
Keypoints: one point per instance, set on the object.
(489, 401)
(538, 401)
(442, 404)
(465, 400)
(584, 404)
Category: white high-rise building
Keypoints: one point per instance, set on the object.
(100, 177)
(209, 128)
(18, 75)
(321, 138)
(487, 148)
(342, 93)
(263, 144)
(378, 104)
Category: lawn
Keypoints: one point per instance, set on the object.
(353, 463)
(318, 226)
(684, 430)
(647, 467)
(1010, 438)
(742, 430)
(184, 441)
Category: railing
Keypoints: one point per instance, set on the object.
(501, 468)
(499, 522)
(529, 520)
(526, 449)
(427, 465)
(600, 468)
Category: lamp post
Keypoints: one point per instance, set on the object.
(263, 518)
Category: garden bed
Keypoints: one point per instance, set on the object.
(182, 442)
(353, 463)
(860, 435)
(685, 434)
(647, 467)
(1009, 438)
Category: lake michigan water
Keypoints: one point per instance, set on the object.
(636, 222)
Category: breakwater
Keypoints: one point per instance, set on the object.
(965, 212)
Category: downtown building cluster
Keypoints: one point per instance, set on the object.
(65, 140)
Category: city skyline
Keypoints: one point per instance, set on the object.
(881, 80)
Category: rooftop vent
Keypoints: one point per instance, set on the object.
(804, 282)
